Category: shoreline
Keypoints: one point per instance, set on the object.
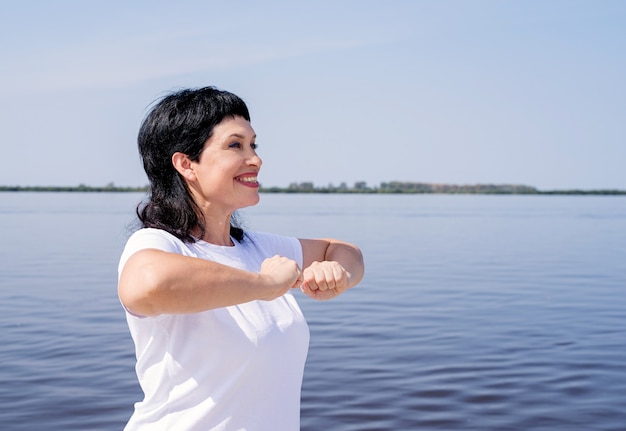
(411, 188)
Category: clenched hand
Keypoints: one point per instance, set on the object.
(280, 274)
(325, 280)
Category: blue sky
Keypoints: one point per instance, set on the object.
(463, 92)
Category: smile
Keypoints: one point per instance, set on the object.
(248, 180)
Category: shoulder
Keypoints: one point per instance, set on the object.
(150, 238)
(154, 238)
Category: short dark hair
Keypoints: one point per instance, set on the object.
(182, 121)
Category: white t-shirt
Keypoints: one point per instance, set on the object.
(232, 368)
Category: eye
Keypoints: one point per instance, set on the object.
(235, 145)
(254, 145)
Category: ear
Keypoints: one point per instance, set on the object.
(183, 164)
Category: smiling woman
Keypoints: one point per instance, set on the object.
(220, 340)
(224, 178)
(182, 124)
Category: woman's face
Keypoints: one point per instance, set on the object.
(226, 171)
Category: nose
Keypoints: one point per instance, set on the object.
(255, 160)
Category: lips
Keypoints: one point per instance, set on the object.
(248, 179)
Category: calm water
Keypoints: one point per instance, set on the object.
(477, 312)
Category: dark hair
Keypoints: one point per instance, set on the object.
(181, 122)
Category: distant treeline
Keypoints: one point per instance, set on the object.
(393, 187)
(397, 187)
(79, 188)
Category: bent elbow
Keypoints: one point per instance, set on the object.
(137, 286)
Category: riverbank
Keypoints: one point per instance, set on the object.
(359, 188)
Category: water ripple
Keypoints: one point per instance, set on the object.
(477, 313)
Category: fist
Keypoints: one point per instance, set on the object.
(324, 280)
(279, 275)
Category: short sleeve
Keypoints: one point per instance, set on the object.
(149, 238)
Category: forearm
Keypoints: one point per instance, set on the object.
(154, 282)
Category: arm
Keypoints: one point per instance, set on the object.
(330, 267)
(155, 282)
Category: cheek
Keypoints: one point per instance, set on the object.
(222, 166)
(221, 169)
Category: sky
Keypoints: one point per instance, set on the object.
(526, 92)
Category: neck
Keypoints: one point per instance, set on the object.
(216, 221)
(216, 231)
(225, 241)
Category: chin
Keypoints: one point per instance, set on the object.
(251, 202)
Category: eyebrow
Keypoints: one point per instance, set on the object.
(237, 135)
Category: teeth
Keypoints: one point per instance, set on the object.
(248, 179)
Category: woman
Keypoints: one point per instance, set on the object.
(220, 340)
